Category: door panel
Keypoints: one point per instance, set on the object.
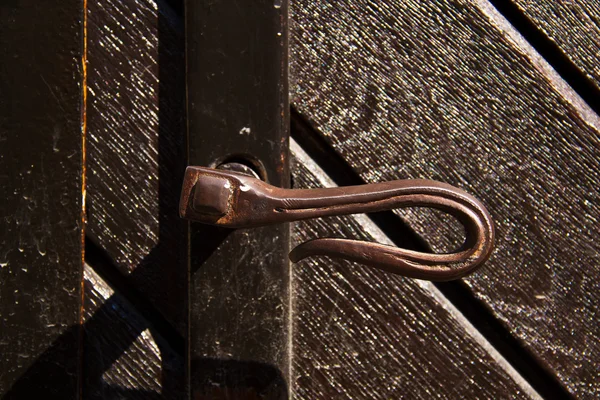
(136, 157)
(393, 90)
(453, 93)
(41, 175)
(239, 284)
(136, 151)
(362, 333)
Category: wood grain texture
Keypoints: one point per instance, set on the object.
(364, 334)
(237, 92)
(574, 26)
(136, 149)
(41, 202)
(123, 356)
(447, 90)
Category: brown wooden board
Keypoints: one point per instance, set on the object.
(442, 91)
(41, 171)
(363, 333)
(136, 148)
(124, 357)
(238, 111)
(575, 28)
(449, 91)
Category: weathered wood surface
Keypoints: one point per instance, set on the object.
(123, 356)
(41, 203)
(574, 26)
(363, 333)
(442, 91)
(237, 92)
(449, 91)
(136, 148)
(136, 157)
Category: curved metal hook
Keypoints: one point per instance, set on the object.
(233, 200)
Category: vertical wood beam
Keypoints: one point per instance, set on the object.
(238, 111)
(41, 170)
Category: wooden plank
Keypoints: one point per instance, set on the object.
(573, 26)
(238, 111)
(136, 149)
(41, 176)
(450, 92)
(363, 333)
(124, 357)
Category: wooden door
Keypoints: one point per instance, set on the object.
(496, 97)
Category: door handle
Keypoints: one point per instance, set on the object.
(234, 200)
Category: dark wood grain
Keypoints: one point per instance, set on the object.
(238, 110)
(136, 149)
(124, 357)
(440, 91)
(41, 204)
(449, 91)
(362, 333)
(574, 26)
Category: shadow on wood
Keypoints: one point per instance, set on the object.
(229, 379)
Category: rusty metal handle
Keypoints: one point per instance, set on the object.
(234, 200)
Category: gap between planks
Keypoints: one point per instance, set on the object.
(429, 287)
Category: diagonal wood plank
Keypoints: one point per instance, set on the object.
(122, 352)
(363, 333)
(136, 150)
(448, 91)
(41, 168)
(238, 109)
(574, 26)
